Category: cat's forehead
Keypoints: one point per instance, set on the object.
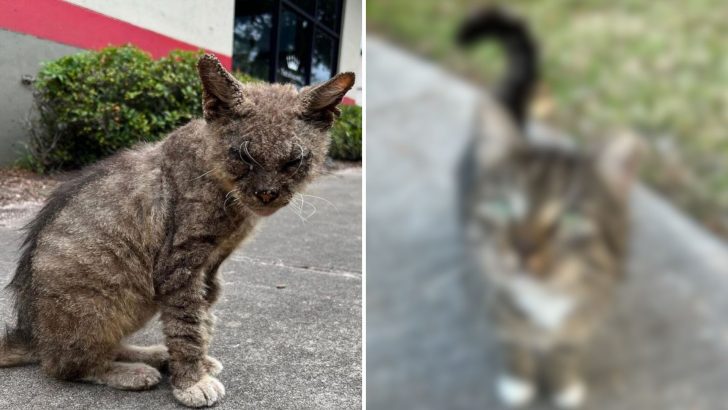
(281, 98)
(270, 122)
(546, 181)
(549, 172)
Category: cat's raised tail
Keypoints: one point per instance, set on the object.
(516, 89)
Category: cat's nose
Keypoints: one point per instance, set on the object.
(524, 246)
(267, 195)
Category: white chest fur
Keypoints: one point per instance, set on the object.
(546, 307)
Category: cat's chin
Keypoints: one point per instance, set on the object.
(264, 211)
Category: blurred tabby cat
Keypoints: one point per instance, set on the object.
(547, 224)
(146, 230)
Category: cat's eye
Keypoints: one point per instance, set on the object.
(575, 225)
(246, 158)
(494, 211)
(293, 165)
(239, 157)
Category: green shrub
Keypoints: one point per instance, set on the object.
(346, 134)
(92, 104)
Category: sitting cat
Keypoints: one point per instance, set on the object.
(547, 224)
(146, 230)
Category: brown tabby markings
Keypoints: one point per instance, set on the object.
(146, 230)
(546, 223)
(549, 228)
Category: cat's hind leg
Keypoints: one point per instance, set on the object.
(126, 376)
(94, 365)
(77, 338)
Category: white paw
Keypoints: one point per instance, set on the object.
(571, 396)
(206, 392)
(514, 392)
(212, 366)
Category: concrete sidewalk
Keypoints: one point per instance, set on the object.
(289, 330)
(428, 341)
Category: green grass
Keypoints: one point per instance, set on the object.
(657, 67)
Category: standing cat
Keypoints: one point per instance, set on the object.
(146, 230)
(547, 225)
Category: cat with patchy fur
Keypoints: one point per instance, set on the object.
(547, 225)
(145, 231)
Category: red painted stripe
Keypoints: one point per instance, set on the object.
(76, 26)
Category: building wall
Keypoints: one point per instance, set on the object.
(204, 23)
(20, 55)
(350, 54)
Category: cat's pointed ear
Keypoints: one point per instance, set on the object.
(320, 101)
(619, 163)
(220, 90)
(497, 137)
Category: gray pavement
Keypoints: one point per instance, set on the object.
(429, 344)
(289, 330)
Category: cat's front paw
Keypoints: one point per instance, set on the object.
(212, 366)
(515, 392)
(204, 393)
(571, 396)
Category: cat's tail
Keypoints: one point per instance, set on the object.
(517, 87)
(14, 351)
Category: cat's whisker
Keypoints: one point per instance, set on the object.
(230, 195)
(200, 176)
(296, 208)
(295, 204)
(323, 199)
(245, 147)
(206, 173)
(302, 209)
(240, 153)
(312, 206)
(300, 148)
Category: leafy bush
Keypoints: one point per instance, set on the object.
(346, 134)
(92, 104)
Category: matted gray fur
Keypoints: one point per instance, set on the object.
(146, 230)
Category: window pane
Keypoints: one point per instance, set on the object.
(306, 5)
(251, 37)
(326, 13)
(294, 48)
(322, 66)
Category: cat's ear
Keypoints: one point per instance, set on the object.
(497, 137)
(320, 101)
(220, 90)
(619, 162)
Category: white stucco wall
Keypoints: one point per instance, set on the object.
(204, 23)
(350, 53)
